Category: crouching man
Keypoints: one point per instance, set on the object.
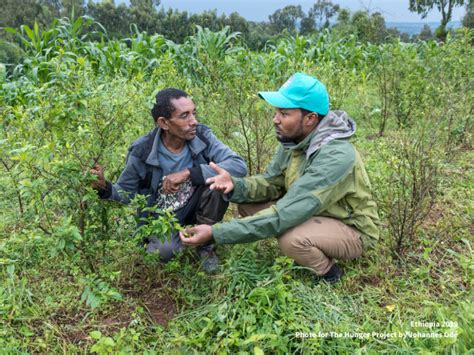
(314, 196)
(170, 165)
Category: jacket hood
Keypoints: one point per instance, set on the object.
(336, 124)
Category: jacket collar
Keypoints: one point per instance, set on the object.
(196, 145)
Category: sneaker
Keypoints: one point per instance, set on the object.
(209, 260)
(332, 276)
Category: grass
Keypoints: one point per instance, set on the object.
(258, 301)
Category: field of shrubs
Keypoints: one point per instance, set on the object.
(73, 277)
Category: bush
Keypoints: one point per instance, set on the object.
(10, 54)
(412, 186)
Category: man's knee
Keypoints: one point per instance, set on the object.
(249, 209)
(290, 244)
(213, 197)
(322, 235)
(298, 247)
(245, 210)
(212, 207)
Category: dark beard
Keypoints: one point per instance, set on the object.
(297, 139)
(285, 139)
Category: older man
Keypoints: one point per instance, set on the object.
(170, 165)
(314, 196)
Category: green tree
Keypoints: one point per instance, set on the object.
(425, 33)
(259, 34)
(16, 13)
(116, 19)
(367, 27)
(238, 24)
(10, 54)
(174, 24)
(343, 26)
(307, 25)
(468, 19)
(393, 32)
(286, 18)
(322, 11)
(144, 14)
(445, 7)
(70, 7)
(207, 19)
(145, 4)
(318, 16)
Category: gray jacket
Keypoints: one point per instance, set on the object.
(143, 174)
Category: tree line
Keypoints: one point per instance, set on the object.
(176, 25)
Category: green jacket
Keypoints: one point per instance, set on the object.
(321, 176)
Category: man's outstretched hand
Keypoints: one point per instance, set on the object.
(197, 235)
(222, 181)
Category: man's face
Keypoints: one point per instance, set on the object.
(183, 122)
(288, 124)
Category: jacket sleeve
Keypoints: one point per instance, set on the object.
(321, 184)
(128, 183)
(222, 155)
(264, 187)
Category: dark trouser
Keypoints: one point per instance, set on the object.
(204, 207)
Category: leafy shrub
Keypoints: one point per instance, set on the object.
(10, 54)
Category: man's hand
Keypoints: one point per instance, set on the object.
(222, 181)
(171, 182)
(98, 171)
(197, 235)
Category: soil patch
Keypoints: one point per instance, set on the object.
(153, 294)
(161, 309)
(76, 336)
(115, 319)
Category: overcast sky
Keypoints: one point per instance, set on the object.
(259, 10)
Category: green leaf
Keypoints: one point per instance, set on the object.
(25, 331)
(10, 30)
(254, 338)
(95, 334)
(108, 341)
(29, 33)
(77, 24)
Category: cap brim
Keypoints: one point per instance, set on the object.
(276, 99)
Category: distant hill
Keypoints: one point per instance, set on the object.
(413, 28)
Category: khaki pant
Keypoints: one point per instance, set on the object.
(316, 242)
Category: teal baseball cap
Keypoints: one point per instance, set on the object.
(300, 91)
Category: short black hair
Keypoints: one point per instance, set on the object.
(163, 106)
(305, 112)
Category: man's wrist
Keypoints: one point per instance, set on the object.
(211, 234)
(196, 176)
(106, 192)
(102, 185)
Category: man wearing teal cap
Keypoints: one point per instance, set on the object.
(314, 196)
